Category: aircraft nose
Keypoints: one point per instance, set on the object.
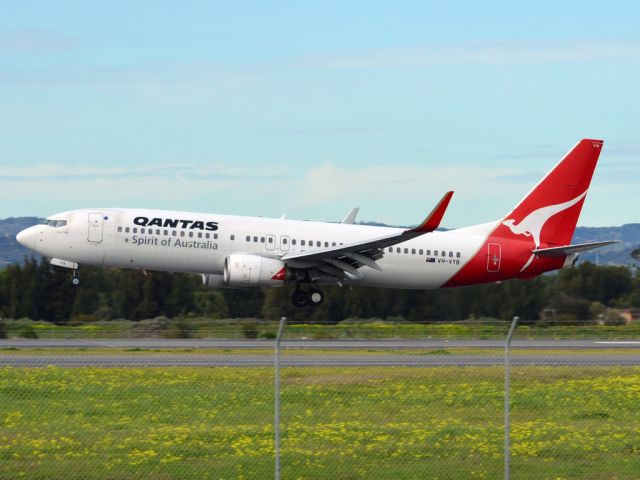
(27, 237)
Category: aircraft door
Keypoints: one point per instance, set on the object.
(271, 242)
(494, 256)
(95, 227)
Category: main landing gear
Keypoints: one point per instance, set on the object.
(312, 297)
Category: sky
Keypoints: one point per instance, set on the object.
(312, 108)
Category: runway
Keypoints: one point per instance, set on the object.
(374, 344)
(301, 360)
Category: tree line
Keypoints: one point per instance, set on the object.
(39, 291)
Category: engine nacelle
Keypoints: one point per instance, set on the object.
(254, 271)
(213, 280)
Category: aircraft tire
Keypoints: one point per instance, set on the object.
(299, 298)
(75, 281)
(315, 297)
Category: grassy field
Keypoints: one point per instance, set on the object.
(348, 329)
(342, 423)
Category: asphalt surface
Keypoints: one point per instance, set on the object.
(437, 353)
(318, 344)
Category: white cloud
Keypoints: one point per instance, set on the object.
(483, 53)
(220, 172)
(36, 41)
(328, 183)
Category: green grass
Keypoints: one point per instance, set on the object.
(467, 351)
(349, 329)
(342, 423)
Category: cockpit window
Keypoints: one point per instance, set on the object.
(57, 223)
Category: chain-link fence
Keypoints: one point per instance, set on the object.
(388, 402)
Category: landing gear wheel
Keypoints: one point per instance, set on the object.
(299, 298)
(315, 297)
(75, 280)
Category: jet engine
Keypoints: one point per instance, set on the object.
(213, 280)
(254, 271)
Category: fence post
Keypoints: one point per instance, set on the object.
(276, 380)
(507, 401)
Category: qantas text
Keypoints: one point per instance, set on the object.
(175, 223)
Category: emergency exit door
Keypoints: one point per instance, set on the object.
(95, 227)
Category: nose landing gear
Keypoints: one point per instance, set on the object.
(75, 279)
(312, 298)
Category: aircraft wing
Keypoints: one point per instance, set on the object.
(569, 249)
(344, 260)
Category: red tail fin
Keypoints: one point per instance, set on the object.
(549, 212)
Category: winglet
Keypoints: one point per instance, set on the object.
(351, 216)
(435, 217)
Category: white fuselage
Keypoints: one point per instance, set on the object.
(199, 243)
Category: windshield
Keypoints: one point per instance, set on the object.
(56, 223)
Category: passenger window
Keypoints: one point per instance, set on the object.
(302, 242)
(435, 253)
(135, 230)
(142, 230)
(190, 234)
(248, 238)
(233, 237)
(157, 231)
(126, 230)
(420, 252)
(413, 251)
(206, 235)
(166, 232)
(450, 254)
(318, 243)
(326, 244)
(199, 234)
(406, 250)
(181, 233)
(119, 229)
(284, 241)
(261, 239)
(293, 242)
(270, 239)
(458, 254)
(215, 236)
(398, 250)
(428, 252)
(255, 239)
(390, 249)
(174, 233)
(333, 244)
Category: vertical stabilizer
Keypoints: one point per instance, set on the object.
(549, 213)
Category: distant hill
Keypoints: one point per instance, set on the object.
(10, 250)
(619, 254)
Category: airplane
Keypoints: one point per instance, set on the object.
(242, 252)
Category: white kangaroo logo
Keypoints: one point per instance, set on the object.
(532, 224)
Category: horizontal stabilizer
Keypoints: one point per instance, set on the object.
(569, 249)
